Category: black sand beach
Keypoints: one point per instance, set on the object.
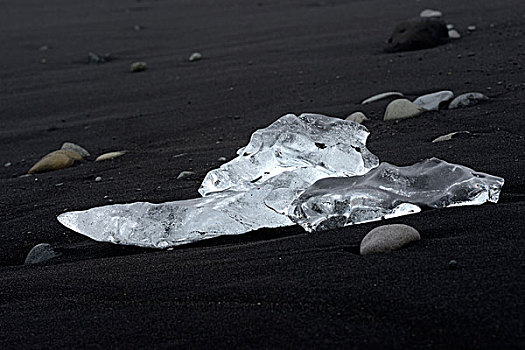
(280, 288)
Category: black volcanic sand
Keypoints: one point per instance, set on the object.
(278, 288)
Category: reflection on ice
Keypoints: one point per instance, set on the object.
(269, 185)
(390, 191)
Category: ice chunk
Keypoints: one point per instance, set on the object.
(324, 145)
(250, 192)
(390, 191)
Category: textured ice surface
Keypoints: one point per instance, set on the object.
(389, 191)
(249, 192)
(269, 185)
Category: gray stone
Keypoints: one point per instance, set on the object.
(454, 34)
(468, 99)
(40, 253)
(357, 117)
(428, 13)
(222, 159)
(7, 165)
(417, 34)
(185, 175)
(386, 238)
(98, 179)
(434, 101)
(69, 146)
(402, 109)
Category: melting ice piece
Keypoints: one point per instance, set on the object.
(245, 194)
(390, 191)
(324, 145)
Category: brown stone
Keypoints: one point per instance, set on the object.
(56, 160)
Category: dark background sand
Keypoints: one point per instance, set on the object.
(272, 288)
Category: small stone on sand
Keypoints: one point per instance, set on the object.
(454, 34)
(386, 238)
(358, 117)
(138, 67)
(382, 96)
(196, 56)
(69, 146)
(98, 179)
(434, 101)
(222, 159)
(428, 13)
(402, 109)
(185, 175)
(110, 155)
(56, 160)
(468, 99)
(450, 136)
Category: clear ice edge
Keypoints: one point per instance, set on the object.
(310, 170)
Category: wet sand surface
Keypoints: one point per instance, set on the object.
(279, 288)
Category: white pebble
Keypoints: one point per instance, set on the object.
(8, 164)
(185, 175)
(471, 28)
(98, 179)
(195, 56)
(450, 136)
(428, 13)
(358, 117)
(382, 96)
(109, 155)
(222, 159)
(401, 109)
(453, 34)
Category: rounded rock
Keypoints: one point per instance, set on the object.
(185, 174)
(428, 13)
(434, 101)
(468, 99)
(196, 56)
(386, 238)
(418, 34)
(358, 117)
(69, 146)
(402, 109)
(454, 34)
(56, 160)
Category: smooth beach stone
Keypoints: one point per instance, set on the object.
(357, 117)
(454, 34)
(56, 160)
(40, 253)
(386, 238)
(434, 101)
(93, 58)
(401, 109)
(69, 146)
(468, 99)
(471, 28)
(185, 174)
(138, 67)
(195, 56)
(382, 96)
(450, 136)
(417, 34)
(110, 155)
(428, 13)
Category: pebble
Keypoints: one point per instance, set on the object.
(471, 28)
(110, 155)
(450, 136)
(401, 109)
(417, 34)
(468, 99)
(98, 179)
(40, 253)
(386, 238)
(428, 13)
(454, 34)
(434, 101)
(69, 146)
(358, 117)
(196, 56)
(382, 96)
(137, 28)
(450, 26)
(452, 265)
(185, 175)
(138, 67)
(56, 160)
(7, 165)
(222, 159)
